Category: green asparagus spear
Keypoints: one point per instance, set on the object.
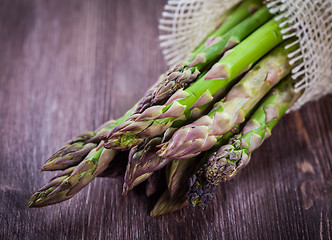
(227, 21)
(177, 175)
(156, 119)
(142, 163)
(49, 187)
(183, 74)
(174, 198)
(201, 135)
(78, 148)
(231, 38)
(76, 178)
(230, 158)
(165, 204)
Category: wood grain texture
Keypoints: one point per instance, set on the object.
(68, 66)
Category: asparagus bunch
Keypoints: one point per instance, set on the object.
(75, 151)
(225, 163)
(171, 125)
(157, 119)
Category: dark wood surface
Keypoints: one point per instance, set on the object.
(68, 66)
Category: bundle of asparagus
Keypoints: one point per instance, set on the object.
(200, 122)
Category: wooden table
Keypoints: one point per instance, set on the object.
(68, 66)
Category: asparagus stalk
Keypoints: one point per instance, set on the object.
(232, 157)
(156, 119)
(183, 74)
(50, 186)
(142, 163)
(174, 198)
(77, 149)
(201, 135)
(227, 21)
(177, 175)
(76, 178)
(165, 204)
(231, 38)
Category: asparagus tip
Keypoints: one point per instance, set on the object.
(45, 167)
(125, 189)
(166, 205)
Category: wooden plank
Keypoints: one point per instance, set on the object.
(68, 66)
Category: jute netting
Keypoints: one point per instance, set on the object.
(185, 23)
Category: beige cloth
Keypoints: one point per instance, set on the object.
(185, 23)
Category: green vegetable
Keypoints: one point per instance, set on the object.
(157, 119)
(201, 135)
(226, 162)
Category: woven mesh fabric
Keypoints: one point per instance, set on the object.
(185, 23)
